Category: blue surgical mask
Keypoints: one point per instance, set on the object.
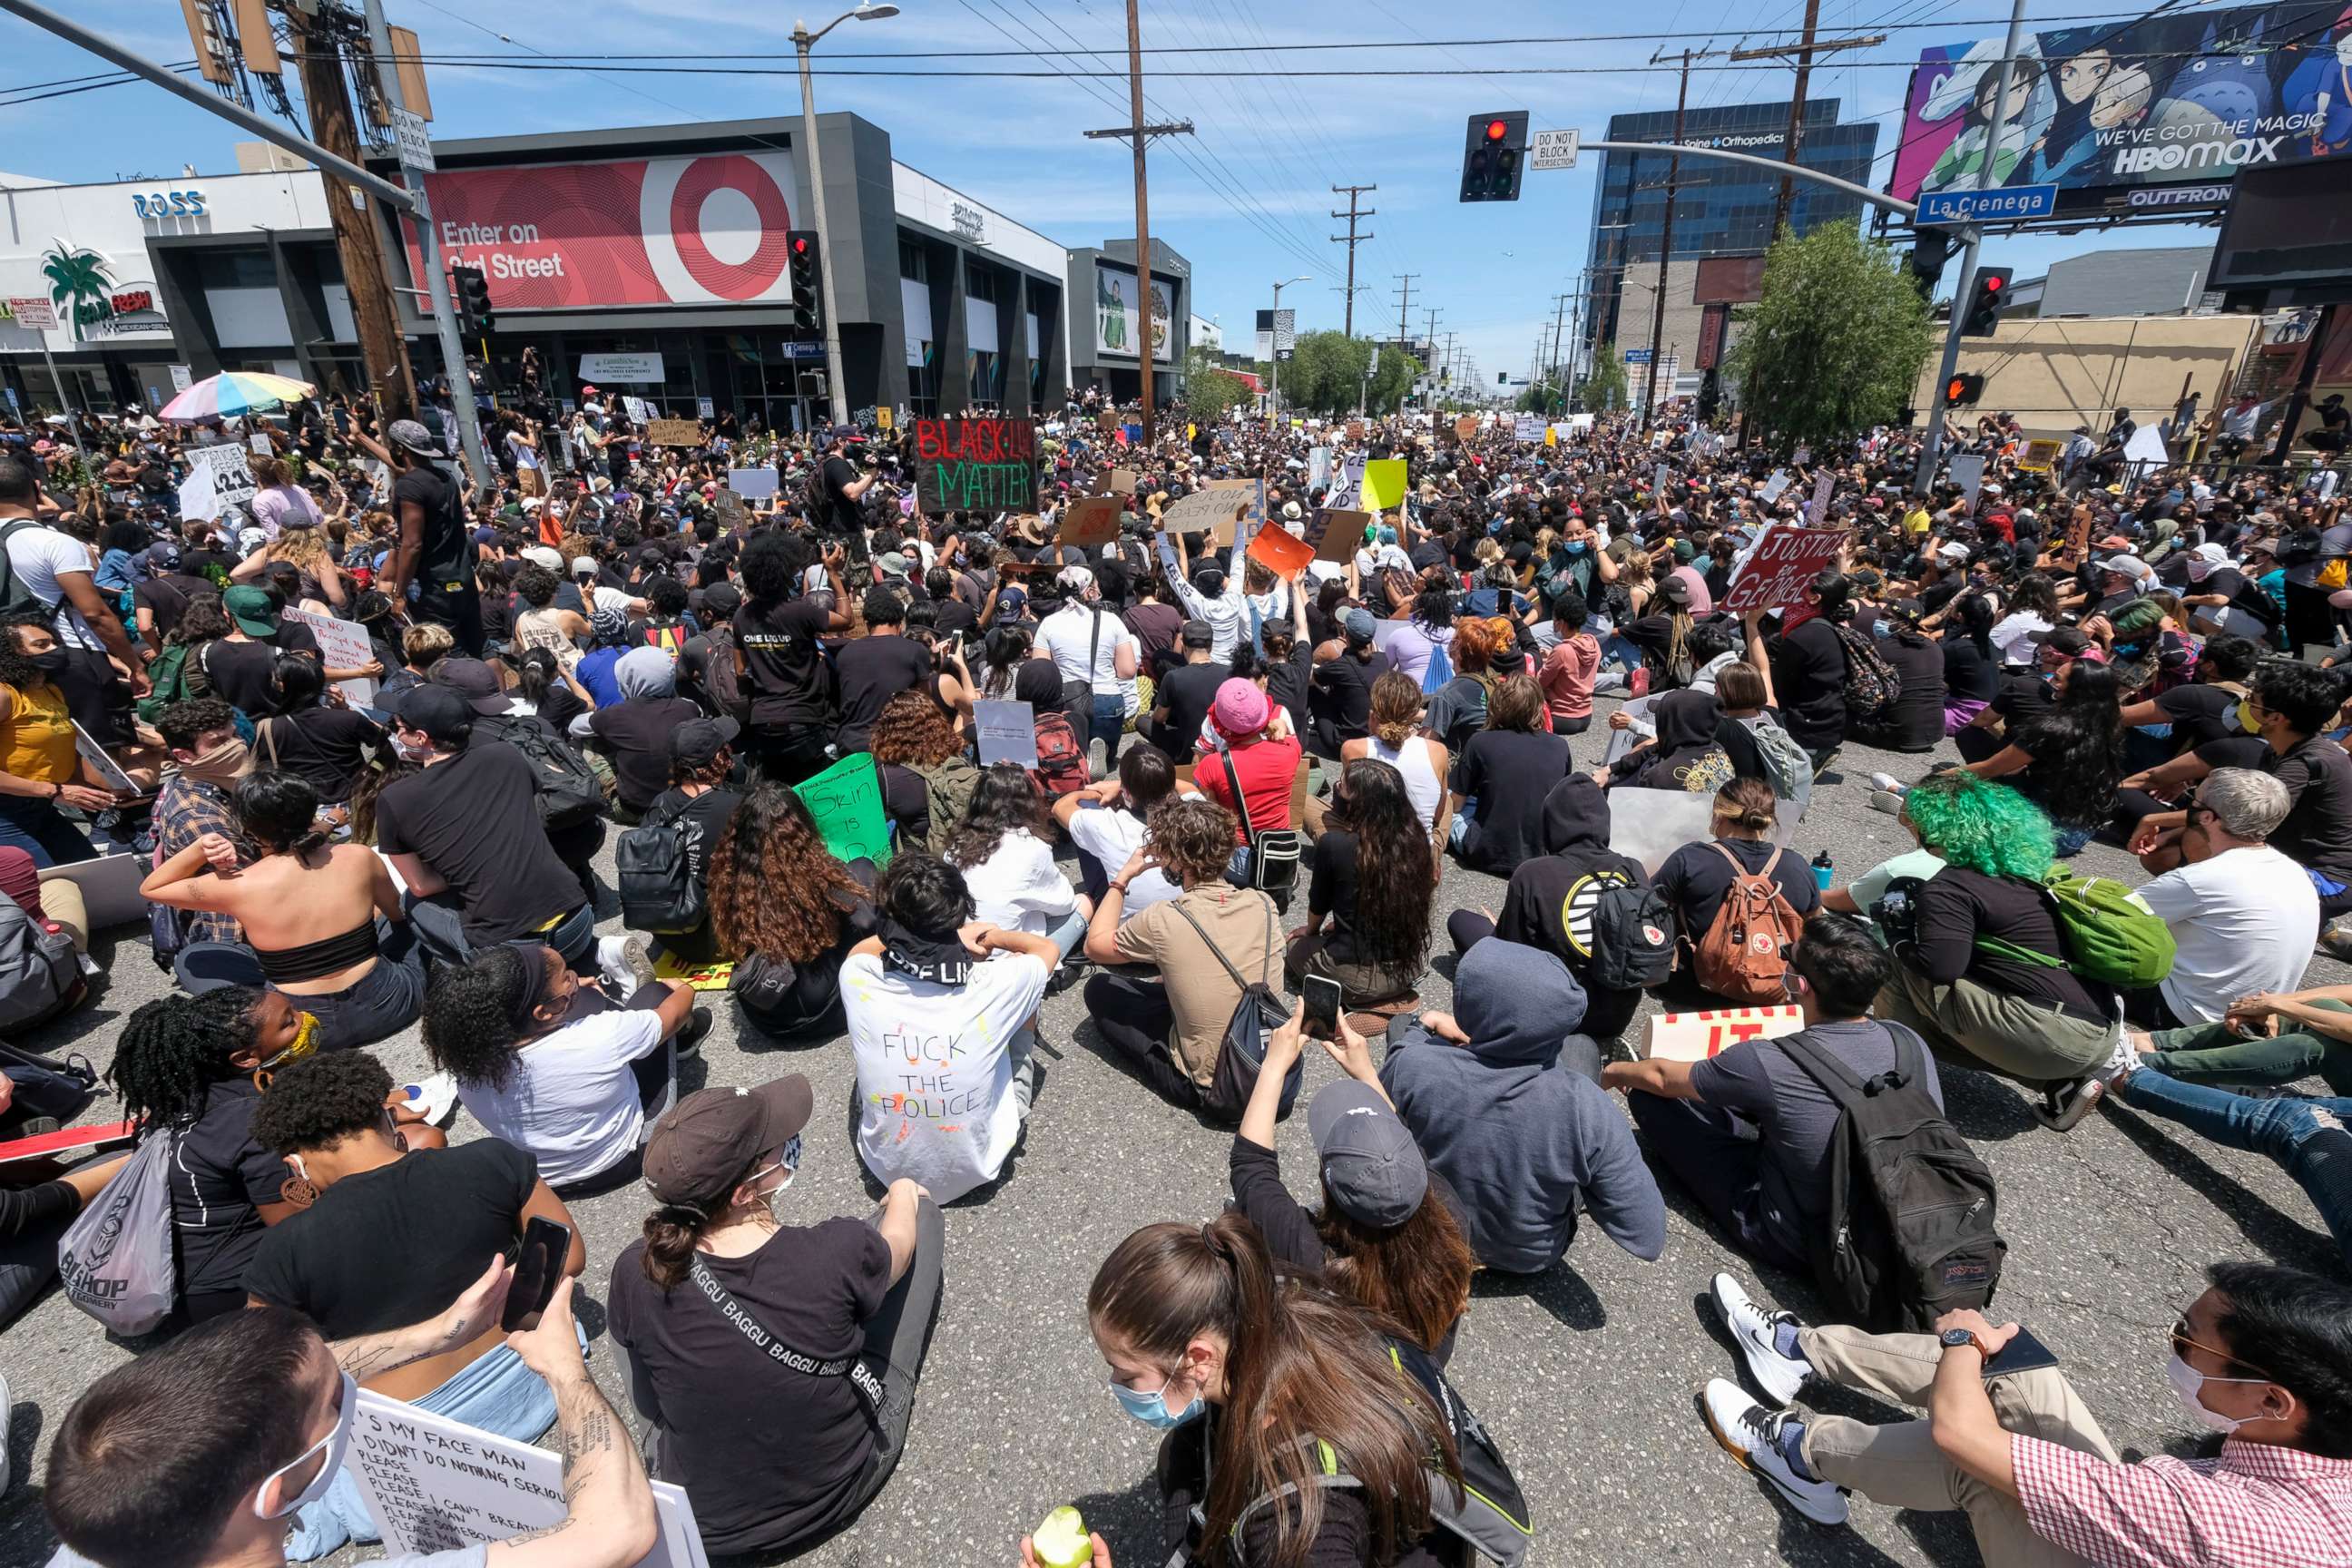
(1151, 1409)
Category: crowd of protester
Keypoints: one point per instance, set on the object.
(1248, 782)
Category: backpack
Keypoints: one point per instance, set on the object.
(1872, 684)
(1622, 930)
(720, 682)
(653, 866)
(667, 636)
(2109, 932)
(1910, 1230)
(1789, 771)
(1061, 761)
(167, 680)
(569, 790)
(1256, 1014)
(950, 784)
(17, 597)
(40, 976)
(1744, 953)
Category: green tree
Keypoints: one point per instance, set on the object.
(1393, 378)
(1835, 343)
(1210, 389)
(1603, 387)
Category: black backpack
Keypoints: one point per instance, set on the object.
(1909, 1235)
(653, 864)
(16, 596)
(569, 790)
(1630, 939)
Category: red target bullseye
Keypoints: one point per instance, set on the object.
(757, 273)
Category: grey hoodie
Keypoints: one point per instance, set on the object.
(1525, 1139)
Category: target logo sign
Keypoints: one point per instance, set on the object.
(715, 227)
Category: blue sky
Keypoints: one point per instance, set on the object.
(1248, 199)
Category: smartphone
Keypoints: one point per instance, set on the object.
(2023, 1353)
(1322, 995)
(538, 1268)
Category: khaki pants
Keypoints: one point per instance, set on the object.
(61, 901)
(2006, 1035)
(1899, 1465)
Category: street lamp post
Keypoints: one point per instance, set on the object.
(804, 40)
(1273, 347)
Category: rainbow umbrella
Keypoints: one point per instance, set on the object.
(234, 393)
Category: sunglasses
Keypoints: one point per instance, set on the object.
(2183, 1342)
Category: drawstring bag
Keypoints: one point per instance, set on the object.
(115, 1259)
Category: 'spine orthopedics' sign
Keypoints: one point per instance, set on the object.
(976, 463)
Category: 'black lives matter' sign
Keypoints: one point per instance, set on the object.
(976, 463)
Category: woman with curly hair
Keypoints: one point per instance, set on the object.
(1485, 651)
(1368, 906)
(1004, 848)
(1981, 970)
(927, 781)
(379, 1239)
(787, 912)
(2068, 759)
(544, 1060)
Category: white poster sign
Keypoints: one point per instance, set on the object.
(644, 369)
(232, 475)
(182, 378)
(1774, 486)
(1007, 733)
(752, 484)
(342, 645)
(1968, 472)
(704, 409)
(199, 497)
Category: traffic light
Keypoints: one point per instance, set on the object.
(807, 291)
(1963, 389)
(1492, 156)
(1986, 295)
(1930, 249)
(469, 291)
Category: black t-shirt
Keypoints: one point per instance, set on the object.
(841, 511)
(324, 745)
(955, 618)
(1508, 772)
(636, 734)
(239, 673)
(1333, 891)
(869, 672)
(166, 599)
(1969, 675)
(2021, 699)
(474, 820)
(1344, 689)
(1959, 904)
(1186, 694)
(907, 802)
(1809, 677)
(396, 1245)
(1917, 720)
(2200, 713)
(2319, 827)
(782, 664)
(720, 1399)
(1286, 682)
(1695, 878)
(447, 553)
(218, 1175)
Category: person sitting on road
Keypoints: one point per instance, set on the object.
(1396, 739)
(1697, 877)
(1504, 774)
(786, 912)
(927, 781)
(1368, 904)
(1004, 850)
(1109, 821)
(1685, 755)
(1245, 719)
(702, 1378)
(635, 731)
(1502, 1096)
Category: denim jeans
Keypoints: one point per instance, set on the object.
(440, 926)
(42, 831)
(381, 1002)
(2307, 1138)
(1108, 719)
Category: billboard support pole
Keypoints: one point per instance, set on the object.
(1932, 448)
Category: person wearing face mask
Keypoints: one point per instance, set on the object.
(261, 1408)
(381, 1238)
(40, 769)
(773, 1450)
(2263, 1357)
(207, 759)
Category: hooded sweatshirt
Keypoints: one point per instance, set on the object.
(1525, 1140)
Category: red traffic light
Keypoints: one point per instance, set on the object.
(800, 245)
(1496, 131)
(1956, 389)
(1994, 282)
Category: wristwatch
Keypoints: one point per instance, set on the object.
(1953, 1339)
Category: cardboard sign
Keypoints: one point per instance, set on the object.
(752, 484)
(729, 504)
(1211, 511)
(1121, 482)
(846, 801)
(1466, 427)
(673, 433)
(1968, 472)
(2039, 457)
(1384, 484)
(438, 1485)
(884, 418)
(342, 645)
(1335, 534)
(1784, 561)
(975, 463)
(1107, 420)
(232, 475)
(199, 497)
(1694, 1036)
(1281, 553)
(1089, 521)
(1005, 732)
(1530, 428)
(1818, 511)
(1355, 429)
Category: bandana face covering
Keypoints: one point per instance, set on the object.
(222, 765)
(923, 958)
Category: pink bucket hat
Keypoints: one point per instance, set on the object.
(1241, 708)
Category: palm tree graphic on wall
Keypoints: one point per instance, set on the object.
(77, 285)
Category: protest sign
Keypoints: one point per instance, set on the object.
(1649, 825)
(199, 499)
(1211, 511)
(2145, 450)
(261, 447)
(1121, 482)
(674, 432)
(704, 409)
(1785, 560)
(976, 462)
(1774, 486)
(2039, 457)
(752, 484)
(1817, 511)
(1694, 1036)
(1384, 484)
(232, 477)
(1319, 467)
(1005, 732)
(1279, 551)
(640, 412)
(1551, 434)
(1355, 429)
(1089, 520)
(1466, 427)
(728, 504)
(1107, 420)
(95, 755)
(1334, 533)
(1528, 428)
(342, 645)
(1660, 477)
(437, 1485)
(846, 801)
(1968, 472)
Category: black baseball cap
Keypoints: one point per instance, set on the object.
(475, 681)
(698, 742)
(437, 711)
(1197, 634)
(699, 1150)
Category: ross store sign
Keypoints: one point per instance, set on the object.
(168, 204)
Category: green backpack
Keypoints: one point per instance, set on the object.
(2111, 934)
(167, 680)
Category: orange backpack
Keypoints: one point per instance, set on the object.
(1744, 952)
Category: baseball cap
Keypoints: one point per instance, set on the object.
(1372, 1167)
(254, 610)
(1675, 590)
(1010, 603)
(437, 711)
(2114, 541)
(2062, 639)
(608, 625)
(1241, 708)
(163, 555)
(1357, 623)
(722, 598)
(2130, 566)
(1200, 634)
(583, 565)
(1953, 552)
(415, 437)
(547, 556)
(701, 1148)
(475, 681)
(698, 742)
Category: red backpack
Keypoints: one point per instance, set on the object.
(1061, 761)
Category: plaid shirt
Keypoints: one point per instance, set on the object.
(185, 810)
(2257, 1506)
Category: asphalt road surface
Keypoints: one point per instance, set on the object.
(1587, 1376)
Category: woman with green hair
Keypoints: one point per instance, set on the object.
(1980, 967)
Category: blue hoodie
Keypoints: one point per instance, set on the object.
(1524, 1138)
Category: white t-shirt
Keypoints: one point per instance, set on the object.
(2014, 635)
(1019, 886)
(1064, 637)
(2243, 921)
(1111, 834)
(571, 1100)
(39, 556)
(935, 1068)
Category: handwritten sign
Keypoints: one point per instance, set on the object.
(674, 432)
(438, 1485)
(1783, 561)
(1334, 533)
(2039, 457)
(1968, 472)
(1466, 427)
(1774, 486)
(1528, 428)
(1089, 521)
(1280, 552)
(342, 645)
(1384, 483)
(1817, 510)
(232, 475)
(976, 463)
(752, 484)
(1005, 732)
(846, 801)
(1696, 1037)
(1211, 511)
(1121, 482)
(729, 504)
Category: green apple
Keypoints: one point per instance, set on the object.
(1061, 1542)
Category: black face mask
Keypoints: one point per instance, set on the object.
(52, 664)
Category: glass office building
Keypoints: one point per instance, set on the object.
(1720, 208)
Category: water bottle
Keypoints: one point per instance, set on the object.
(1822, 870)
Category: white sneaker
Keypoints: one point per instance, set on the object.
(1098, 759)
(1779, 1376)
(1751, 1434)
(1886, 782)
(1888, 801)
(7, 1408)
(2122, 1062)
(2062, 1107)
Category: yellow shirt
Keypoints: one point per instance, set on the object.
(37, 740)
(1916, 521)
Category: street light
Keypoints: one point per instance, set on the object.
(804, 40)
(1273, 346)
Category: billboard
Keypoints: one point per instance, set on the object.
(2156, 114)
(634, 231)
(1119, 324)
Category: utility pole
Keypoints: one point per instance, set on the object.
(1349, 240)
(1404, 311)
(1804, 51)
(1559, 319)
(1138, 135)
(1666, 245)
(319, 55)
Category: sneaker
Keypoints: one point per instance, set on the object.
(2335, 939)
(1886, 782)
(638, 959)
(1888, 800)
(690, 1033)
(1754, 1330)
(2061, 1109)
(1751, 1434)
(2123, 1060)
(1098, 759)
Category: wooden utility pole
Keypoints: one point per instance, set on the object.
(1349, 240)
(1138, 134)
(1666, 246)
(1404, 310)
(333, 125)
(1788, 191)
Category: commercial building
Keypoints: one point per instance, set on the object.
(1108, 355)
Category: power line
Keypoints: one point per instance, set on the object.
(494, 63)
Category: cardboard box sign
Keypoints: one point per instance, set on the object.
(1089, 521)
(1694, 1036)
(674, 432)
